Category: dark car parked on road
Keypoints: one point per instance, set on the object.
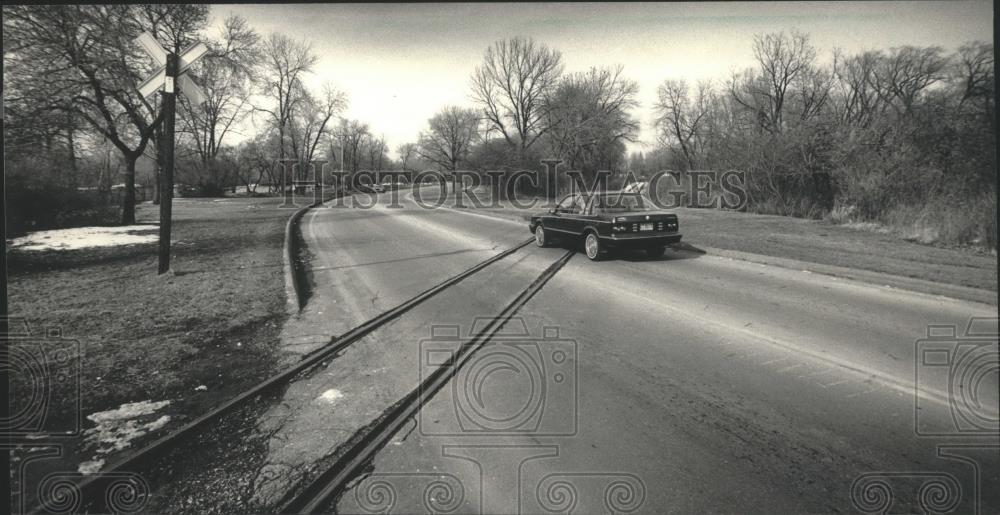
(371, 188)
(606, 221)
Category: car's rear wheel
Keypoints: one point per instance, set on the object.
(655, 252)
(593, 247)
(541, 238)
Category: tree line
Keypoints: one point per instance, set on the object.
(896, 136)
(526, 109)
(903, 137)
(74, 117)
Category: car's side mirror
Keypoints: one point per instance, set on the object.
(553, 211)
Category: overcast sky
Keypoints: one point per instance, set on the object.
(400, 63)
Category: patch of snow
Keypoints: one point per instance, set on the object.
(87, 237)
(331, 395)
(117, 428)
(201, 388)
(90, 467)
(128, 410)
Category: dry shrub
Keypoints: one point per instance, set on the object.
(968, 221)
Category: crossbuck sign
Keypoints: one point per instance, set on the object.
(173, 67)
(160, 78)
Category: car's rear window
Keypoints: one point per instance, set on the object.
(620, 202)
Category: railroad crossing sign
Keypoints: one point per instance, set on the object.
(172, 68)
(160, 78)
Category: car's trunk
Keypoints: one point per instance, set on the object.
(641, 221)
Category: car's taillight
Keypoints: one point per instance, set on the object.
(619, 228)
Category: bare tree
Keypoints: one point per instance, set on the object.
(449, 136)
(174, 26)
(906, 72)
(812, 92)
(973, 67)
(255, 161)
(373, 150)
(226, 75)
(511, 85)
(681, 121)
(972, 72)
(406, 151)
(67, 58)
(781, 59)
(381, 152)
(285, 61)
(859, 97)
(350, 135)
(589, 117)
(310, 122)
(56, 133)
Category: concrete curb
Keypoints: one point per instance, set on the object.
(295, 279)
(869, 277)
(296, 284)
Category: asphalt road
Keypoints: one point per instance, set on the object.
(689, 383)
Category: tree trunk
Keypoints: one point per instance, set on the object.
(128, 201)
(104, 180)
(73, 169)
(210, 178)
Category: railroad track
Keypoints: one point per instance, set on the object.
(92, 491)
(321, 493)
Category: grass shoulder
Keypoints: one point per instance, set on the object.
(811, 241)
(194, 337)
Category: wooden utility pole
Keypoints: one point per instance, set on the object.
(167, 174)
